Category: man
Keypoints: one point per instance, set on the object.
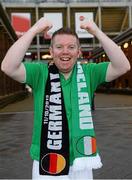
(64, 143)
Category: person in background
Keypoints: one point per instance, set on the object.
(64, 143)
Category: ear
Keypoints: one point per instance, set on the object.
(51, 51)
(79, 53)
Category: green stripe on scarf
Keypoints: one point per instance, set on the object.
(83, 134)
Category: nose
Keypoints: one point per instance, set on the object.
(65, 50)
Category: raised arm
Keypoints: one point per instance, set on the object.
(12, 63)
(119, 63)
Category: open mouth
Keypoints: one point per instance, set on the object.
(65, 59)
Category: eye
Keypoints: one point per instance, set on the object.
(72, 47)
(59, 47)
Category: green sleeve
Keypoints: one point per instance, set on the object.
(34, 72)
(96, 74)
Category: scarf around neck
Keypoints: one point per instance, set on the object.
(54, 150)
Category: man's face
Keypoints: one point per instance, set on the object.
(65, 51)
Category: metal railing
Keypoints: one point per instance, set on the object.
(65, 1)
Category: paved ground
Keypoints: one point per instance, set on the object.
(113, 124)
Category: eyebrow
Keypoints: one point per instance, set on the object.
(66, 44)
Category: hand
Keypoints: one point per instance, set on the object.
(89, 26)
(42, 25)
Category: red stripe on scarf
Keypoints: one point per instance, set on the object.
(53, 163)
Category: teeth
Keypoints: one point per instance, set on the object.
(65, 59)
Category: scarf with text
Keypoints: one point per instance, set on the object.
(54, 150)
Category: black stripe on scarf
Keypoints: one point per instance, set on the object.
(54, 149)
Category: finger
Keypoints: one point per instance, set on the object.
(82, 26)
(48, 27)
(47, 35)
